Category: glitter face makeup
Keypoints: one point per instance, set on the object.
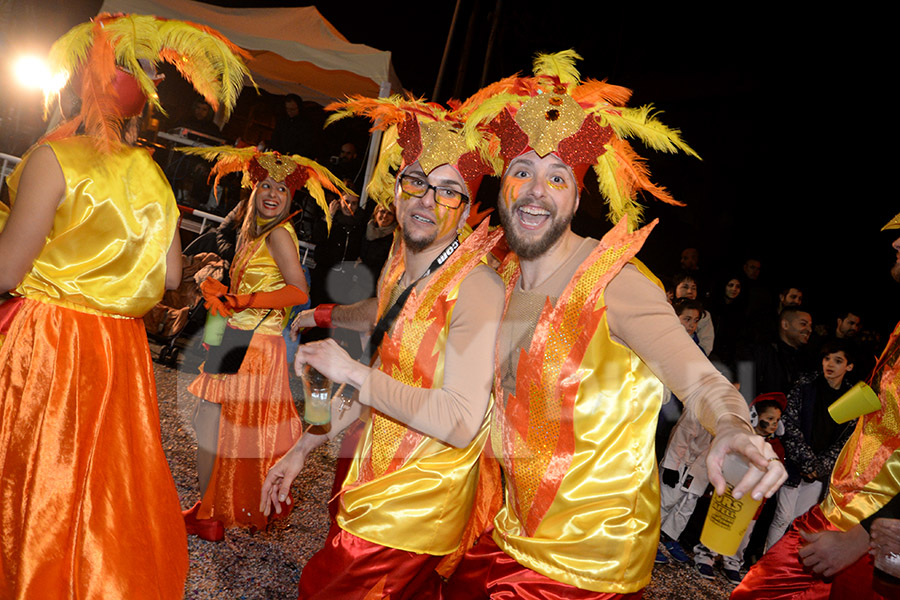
(538, 200)
(423, 222)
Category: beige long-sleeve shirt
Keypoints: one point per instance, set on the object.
(639, 318)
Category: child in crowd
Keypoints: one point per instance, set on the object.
(687, 444)
(684, 285)
(812, 440)
(765, 415)
(689, 312)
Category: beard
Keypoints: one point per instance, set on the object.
(417, 244)
(530, 248)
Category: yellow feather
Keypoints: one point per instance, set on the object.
(618, 199)
(640, 123)
(381, 187)
(205, 53)
(559, 64)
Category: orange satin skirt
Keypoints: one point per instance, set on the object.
(88, 507)
(258, 425)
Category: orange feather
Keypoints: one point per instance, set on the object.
(593, 92)
(634, 174)
(98, 97)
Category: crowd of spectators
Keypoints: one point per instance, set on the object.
(766, 341)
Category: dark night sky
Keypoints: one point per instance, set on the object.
(784, 105)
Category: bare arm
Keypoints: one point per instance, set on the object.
(174, 263)
(359, 316)
(287, 257)
(41, 189)
(277, 485)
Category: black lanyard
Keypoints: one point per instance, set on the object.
(387, 319)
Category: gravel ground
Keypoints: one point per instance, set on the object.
(267, 565)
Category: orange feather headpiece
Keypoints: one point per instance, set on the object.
(112, 61)
(294, 170)
(415, 130)
(583, 123)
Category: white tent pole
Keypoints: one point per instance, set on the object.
(374, 146)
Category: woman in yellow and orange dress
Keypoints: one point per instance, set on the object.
(247, 420)
(88, 507)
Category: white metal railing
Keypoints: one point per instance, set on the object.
(193, 224)
(190, 224)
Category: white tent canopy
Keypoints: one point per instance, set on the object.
(295, 50)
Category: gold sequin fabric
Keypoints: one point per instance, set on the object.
(548, 119)
(411, 353)
(867, 472)
(533, 428)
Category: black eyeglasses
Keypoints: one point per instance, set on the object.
(445, 196)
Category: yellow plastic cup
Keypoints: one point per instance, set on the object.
(317, 397)
(214, 330)
(727, 519)
(857, 401)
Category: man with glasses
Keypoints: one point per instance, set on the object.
(409, 489)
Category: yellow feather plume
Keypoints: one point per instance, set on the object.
(381, 187)
(641, 123)
(618, 199)
(229, 159)
(202, 55)
(558, 64)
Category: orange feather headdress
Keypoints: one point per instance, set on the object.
(294, 170)
(415, 130)
(112, 61)
(584, 123)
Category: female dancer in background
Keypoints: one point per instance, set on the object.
(246, 421)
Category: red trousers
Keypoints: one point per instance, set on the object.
(350, 567)
(486, 572)
(780, 575)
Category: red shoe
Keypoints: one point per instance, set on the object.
(210, 530)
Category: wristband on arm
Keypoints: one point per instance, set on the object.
(322, 314)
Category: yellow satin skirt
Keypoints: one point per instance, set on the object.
(258, 425)
(88, 507)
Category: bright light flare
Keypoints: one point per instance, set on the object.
(33, 73)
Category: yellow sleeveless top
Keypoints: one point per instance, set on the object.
(106, 251)
(576, 439)
(406, 490)
(255, 270)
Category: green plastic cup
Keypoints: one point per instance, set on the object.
(214, 330)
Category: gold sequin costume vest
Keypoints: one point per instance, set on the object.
(407, 490)
(576, 439)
